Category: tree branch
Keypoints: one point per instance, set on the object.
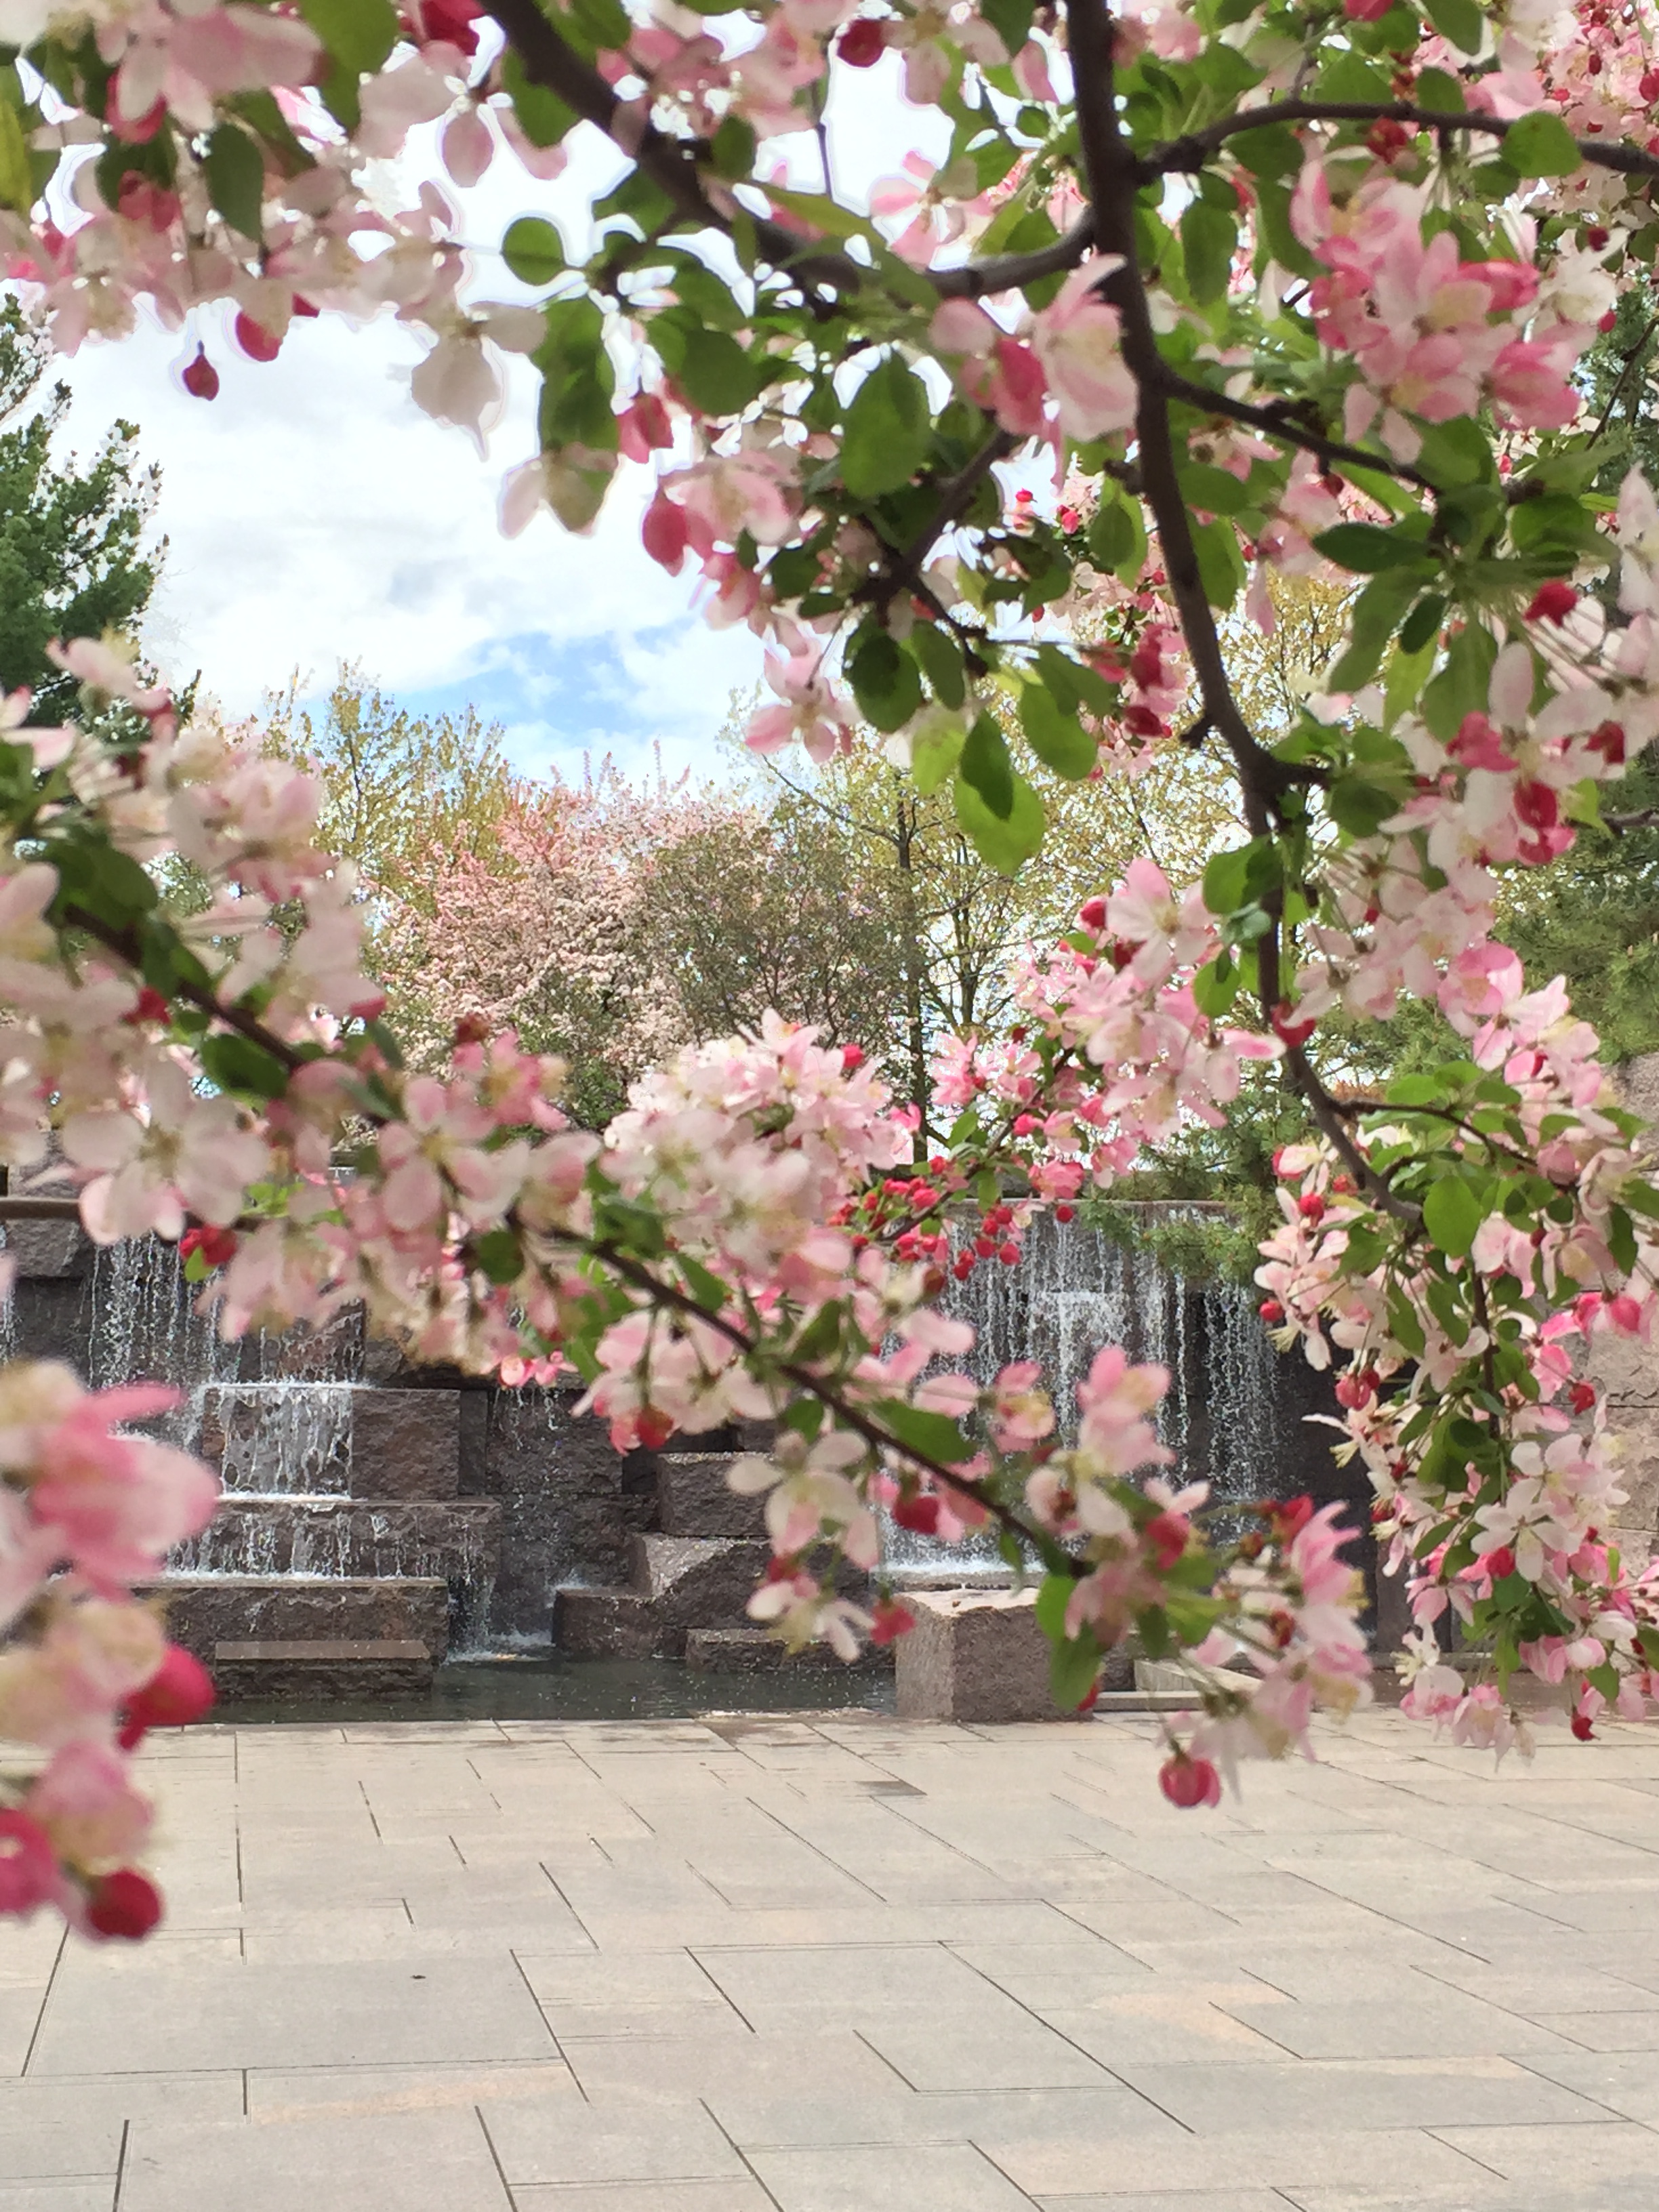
(1110, 169)
(1273, 422)
(1186, 154)
(125, 946)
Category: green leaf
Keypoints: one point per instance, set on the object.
(1216, 491)
(985, 766)
(1539, 144)
(1216, 986)
(1422, 625)
(1452, 1214)
(1003, 844)
(1360, 807)
(1439, 92)
(1273, 152)
(498, 1256)
(545, 118)
(1370, 625)
(1460, 20)
(933, 1435)
(888, 431)
(16, 177)
(236, 179)
(358, 33)
(935, 748)
(887, 682)
(715, 373)
(1367, 549)
(1073, 1670)
(1242, 878)
(733, 149)
(1059, 740)
(941, 662)
(1053, 1596)
(236, 1063)
(1221, 563)
(1209, 239)
(533, 250)
(1456, 453)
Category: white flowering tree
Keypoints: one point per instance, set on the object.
(1243, 288)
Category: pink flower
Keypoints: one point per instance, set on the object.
(1077, 339)
(28, 1865)
(87, 1807)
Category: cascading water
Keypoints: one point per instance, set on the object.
(1075, 1291)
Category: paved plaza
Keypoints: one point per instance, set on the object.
(846, 1964)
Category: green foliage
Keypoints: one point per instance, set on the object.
(73, 561)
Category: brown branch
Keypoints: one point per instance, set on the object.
(670, 1295)
(1644, 818)
(1109, 167)
(1274, 422)
(123, 944)
(1011, 272)
(40, 1209)
(1190, 153)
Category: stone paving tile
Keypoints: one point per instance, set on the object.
(1163, 2200)
(646, 2196)
(361, 2013)
(1605, 2031)
(1087, 2166)
(1159, 2025)
(1431, 2093)
(609, 2140)
(347, 2090)
(1622, 2081)
(76, 2126)
(942, 2178)
(809, 2119)
(676, 2068)
(406, 2162)
(1432, 2024)
(1610, 2150)
(94, 2194)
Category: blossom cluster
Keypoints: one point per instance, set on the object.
(86, 1511)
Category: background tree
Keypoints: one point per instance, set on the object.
(73, 560)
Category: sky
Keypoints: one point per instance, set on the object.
(314, 515)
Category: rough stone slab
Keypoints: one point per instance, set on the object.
(406, 1444)
(322, 1667)
(974, 1655)
(604, 1624)
(206, 1610)
(697, 1582)
(48, 1251)
(693, 1498)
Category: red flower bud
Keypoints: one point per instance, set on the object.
(124, 1904)
(1289, 1028)
(919, 1513)
(1271, 1311)
(862, 44)
(1187, 1782)
(852, 1058)
(1554, 601)
(1092, 914)
(151, 1005)
(178, 1692)
(1065, 1213)
(255, 340)
(1581, 1727)
(890, 1621)
(1581, 1397)
(1311, 1206)
(201, 378)
(1500, 1563)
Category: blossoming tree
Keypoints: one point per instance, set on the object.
(1254, 287)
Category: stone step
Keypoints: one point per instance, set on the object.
(697, 1582)
(693, 1498)
(606, 1624)
(333, 1438)
(753, 1651)
(203, 1610)
(458, 1541)
(321, 1667)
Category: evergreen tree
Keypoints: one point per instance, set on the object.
(72, 558)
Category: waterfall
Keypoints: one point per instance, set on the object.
(1073, 1291)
